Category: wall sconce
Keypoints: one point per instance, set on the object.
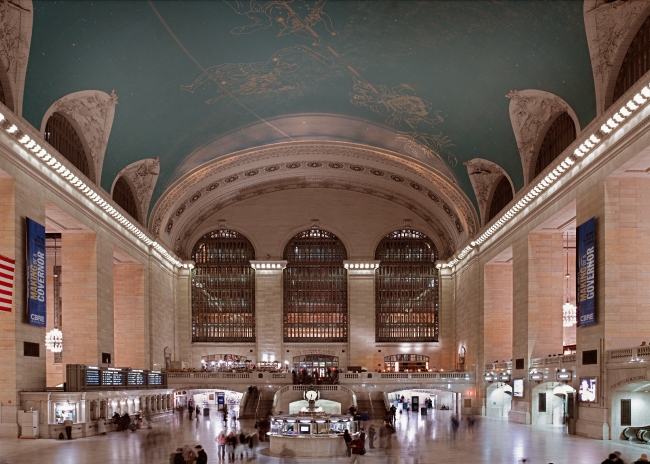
(536, 376)
(488, 378)
(564, 376)
(504, 377)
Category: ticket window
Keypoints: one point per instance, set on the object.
(65, 411)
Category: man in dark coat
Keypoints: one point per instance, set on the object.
(178, 457)
(201, 456)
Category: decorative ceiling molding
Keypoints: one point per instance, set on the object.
(16, 18)
(483, 174)
(93, 112)
(142, 176)
(610, 27)
(446, 239)
(531, 113)
(309, 156)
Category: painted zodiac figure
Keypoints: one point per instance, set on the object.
(397, 104)
(254, 78)
(265, 14)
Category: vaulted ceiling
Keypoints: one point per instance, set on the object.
(198, 80)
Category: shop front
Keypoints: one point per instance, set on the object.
(316, 365)
(406, 363)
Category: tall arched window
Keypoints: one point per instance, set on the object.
(406, 288)
(123, 196)
(636, 62)
(501, 197)
(64, 138)
(559, 136)
(2, 94)
(223, 288)
(315, 288)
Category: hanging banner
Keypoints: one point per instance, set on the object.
(36, 307)
(586, 275)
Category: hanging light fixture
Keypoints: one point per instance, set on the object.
(568, 310)
(54, 341)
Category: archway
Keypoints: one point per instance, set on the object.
(550, 404)
(630, 411)
(498, 400)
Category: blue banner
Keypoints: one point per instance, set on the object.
(36, 306)
(586, 273)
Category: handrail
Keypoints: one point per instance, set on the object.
(257, 408)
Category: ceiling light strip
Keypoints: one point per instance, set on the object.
(611, 126)
(64, 173)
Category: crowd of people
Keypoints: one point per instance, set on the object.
(615, 458)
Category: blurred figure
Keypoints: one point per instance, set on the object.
(221, 443)
(371, 436)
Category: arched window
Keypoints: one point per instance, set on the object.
(559, 136)
(64, 138)
(406, 288)
(223, 288)
(2, 94)
(315, 288)
(123, 196)
(636, 62)
(501, 197)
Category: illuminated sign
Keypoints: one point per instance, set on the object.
(537, 377)
(518, 388)
(587, 392)
(136, 378)
(564, 376)
(92, 378)
(488, 378)
(504, 377)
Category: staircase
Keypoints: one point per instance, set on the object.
(378, 406)
(266, 403)
(247, 410)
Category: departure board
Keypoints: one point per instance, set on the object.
(92, 378)
(136, 378)
(113, 378)
(155, 379)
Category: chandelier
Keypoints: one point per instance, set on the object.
(54, 341)
(568, 310)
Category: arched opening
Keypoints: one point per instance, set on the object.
(630, 419)
(406, 284)
(223, 288)
(315, 288)
(498, 400)
(225, 362)
(551, 404)
(2, 94)
(319, 365)
(123, 196)
(636, 61)
(558, 136)
(500, 198)
(60, 133)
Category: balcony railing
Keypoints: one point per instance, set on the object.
(626, 355)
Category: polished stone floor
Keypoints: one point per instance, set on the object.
(419, 440)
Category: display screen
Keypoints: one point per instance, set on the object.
(304, 429)
(518, 388)
(587, 393)
(113, 378)
(92, 378)
(136, 378)
(155, 379)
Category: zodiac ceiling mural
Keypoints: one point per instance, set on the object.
(432, 75)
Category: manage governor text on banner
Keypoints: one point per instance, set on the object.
(36, 306)
(586, 275)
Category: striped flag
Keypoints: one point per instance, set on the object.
(7, 267)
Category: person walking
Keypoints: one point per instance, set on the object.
(221, 444)
(243, 445)
(177, 457)
(190, 410)
(357, 449)
(348, 439)
(372, 433)
(643, 458)
(201, 455)
(230, 446)
(198, 412)
(383, 432)
(68, 427)
(101, 426)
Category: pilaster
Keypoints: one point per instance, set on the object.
(268, 309)
(361, 314)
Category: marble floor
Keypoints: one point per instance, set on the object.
(419, 440)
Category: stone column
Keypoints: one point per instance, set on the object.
(129, 316)
(87, 271)
(183, 314)
(20, 197)
(361, 314)
(268, 309)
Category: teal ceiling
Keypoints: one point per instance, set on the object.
(188, 73)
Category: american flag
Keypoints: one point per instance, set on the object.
(7, 267)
